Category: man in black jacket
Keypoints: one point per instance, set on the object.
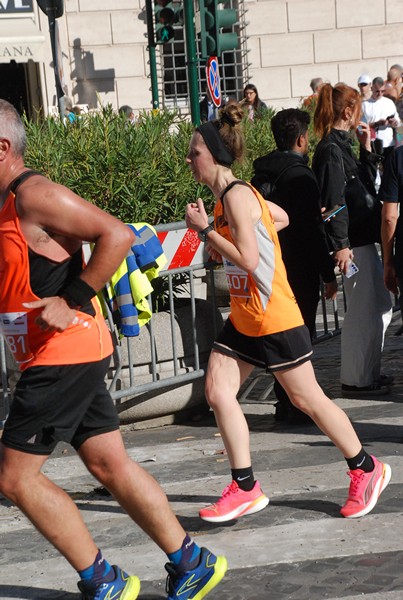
(285, 177)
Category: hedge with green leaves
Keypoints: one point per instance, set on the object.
(135, 172)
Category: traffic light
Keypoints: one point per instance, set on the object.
(207, 28)
(166, 15)
(214, 18)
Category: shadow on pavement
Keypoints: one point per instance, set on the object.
(28, 593)
(21, 592)
(332, 509)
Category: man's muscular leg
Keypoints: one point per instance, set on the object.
(136, 490)
(48, 507)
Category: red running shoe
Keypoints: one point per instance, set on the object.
(365, 489)
(235, 503)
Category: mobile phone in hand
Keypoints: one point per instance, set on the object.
(352, 269)
(329, 214)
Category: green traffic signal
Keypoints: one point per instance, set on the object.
(225, 19)
(166, 15)
(207, 28)
(214, 18)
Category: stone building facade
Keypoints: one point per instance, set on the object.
(293, 41)
(103, 52)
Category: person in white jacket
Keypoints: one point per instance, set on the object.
(381, 115)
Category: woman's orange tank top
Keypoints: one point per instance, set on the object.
(262, 302)
(87, 341)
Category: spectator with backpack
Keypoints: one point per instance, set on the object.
(284, 177)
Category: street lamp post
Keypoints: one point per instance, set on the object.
(54, 9)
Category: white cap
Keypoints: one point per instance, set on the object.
(364, 79)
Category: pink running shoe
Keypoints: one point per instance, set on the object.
(235, 503)
(365, 489)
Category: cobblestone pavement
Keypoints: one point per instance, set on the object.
(298, 548)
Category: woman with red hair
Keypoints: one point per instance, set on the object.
(352, 234)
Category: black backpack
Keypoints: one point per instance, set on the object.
(267, 188)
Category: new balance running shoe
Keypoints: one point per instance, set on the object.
(365, 489)
(123, 587)
(196, 584)
(235, 503)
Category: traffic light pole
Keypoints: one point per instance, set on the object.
(152, 55)
(188, 12)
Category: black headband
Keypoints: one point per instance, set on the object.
(215, 143)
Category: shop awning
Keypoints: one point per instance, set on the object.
(20, 40)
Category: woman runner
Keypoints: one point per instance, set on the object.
(265, 327)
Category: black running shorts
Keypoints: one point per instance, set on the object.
(274, 352)
(68, 403)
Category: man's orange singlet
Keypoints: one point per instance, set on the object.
(88, 341)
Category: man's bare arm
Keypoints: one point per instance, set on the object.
(52, 209)
(390, 213)
(57, 210)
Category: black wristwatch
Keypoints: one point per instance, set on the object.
(202, 235)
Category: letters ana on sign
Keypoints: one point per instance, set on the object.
(16, 6)
(16, 52)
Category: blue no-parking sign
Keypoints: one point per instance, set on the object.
(213, 80)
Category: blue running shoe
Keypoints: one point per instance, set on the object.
(195, 584)
(123, 587)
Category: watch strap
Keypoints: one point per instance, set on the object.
(202, 235)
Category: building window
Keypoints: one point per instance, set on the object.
(173, 76)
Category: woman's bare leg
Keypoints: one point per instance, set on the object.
(225, 376)
(306, 394)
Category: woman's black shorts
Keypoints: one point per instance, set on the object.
(274, 352)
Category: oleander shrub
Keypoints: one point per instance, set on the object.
(135, 172)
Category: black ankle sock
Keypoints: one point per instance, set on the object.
(244, 478)
(362, 461)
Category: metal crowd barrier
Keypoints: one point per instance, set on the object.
(156, 381)
(140, 382)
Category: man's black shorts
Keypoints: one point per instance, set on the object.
(274, 352)
(67, 403)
